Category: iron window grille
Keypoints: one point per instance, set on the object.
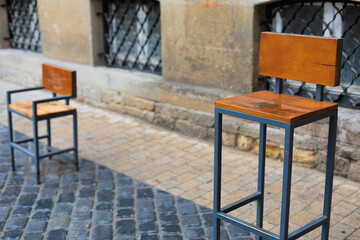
(322, 18)
(23, 22)
(132, 34)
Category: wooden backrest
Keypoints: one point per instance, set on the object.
(301, 58)
(59, 80)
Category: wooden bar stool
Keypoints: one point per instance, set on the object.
(283, 56)
(59, 81)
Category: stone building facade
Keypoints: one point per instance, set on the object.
(209, 51)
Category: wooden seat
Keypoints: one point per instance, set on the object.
(60, 81)
(43, 109)
(280, 107)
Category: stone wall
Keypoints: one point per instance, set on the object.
(189, 110)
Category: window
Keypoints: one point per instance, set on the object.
(323, 18)
(132, 34)
(23, 23)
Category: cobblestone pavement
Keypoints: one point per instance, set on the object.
(183, 167)
(94, 203)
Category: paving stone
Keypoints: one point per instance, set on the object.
(13, 234)
(125, 192)
(7, 201)
(149, 227)
(125, 228)
(16, 178)
(102, 232)
(12, 191)
(125, 203)
(27, 200)
(69, 188)
(50, 185)
(30, 189)
(16, 223)
(79, 229)
(102, 217)
(33, 236)
(106, 185)
(170, 228)
(87, 192)
(125, 213)
(84, 204)
(56, 235)
(187, 208)
(147, 204)
(144, 216)
(44, 204)
(62, 210)
(172, 237)
(41, 215)
(172, 218)
(104, 207)
(190, 220)
(4, 213)
(66, 197)
(36, 227)
(69, 178)
(21, 212)
(105, 196)
(149, 237)
(194, 232)
(82, 215)
(237, 231)
(124, 182)
(146, 193)
(59, 223)
(49, 193)
(165, 209)
(165, 201)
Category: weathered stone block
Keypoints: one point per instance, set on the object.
(354, 171)
(191, 129)
(342, 165)
(111, 96)
(228, 139)
(230, 125)
(139, 103)
(171, 110)
(272, 149)
(201, 118)
(164, 120)
(245, 143)
(302, 156)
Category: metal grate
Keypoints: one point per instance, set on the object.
(132, 34)
(322, 18)
(23, 23)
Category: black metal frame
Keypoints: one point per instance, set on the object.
(23, 22)
(15, 144)
(343, 94)
(129, 41)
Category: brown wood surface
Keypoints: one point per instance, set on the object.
(43, 109)
(280, 107)
(59, 80)
(302, 58)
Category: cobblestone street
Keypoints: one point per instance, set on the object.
(139, 181)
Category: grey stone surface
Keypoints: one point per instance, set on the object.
(94, 203)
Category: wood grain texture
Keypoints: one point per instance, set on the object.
(43, 109)
(59, 80)
(280, 107)
(302, 58)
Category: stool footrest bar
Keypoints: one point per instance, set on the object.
(24, 150)
(308, 227)
(241, 203)
(30, 139)
(248, 226)
(57, 152)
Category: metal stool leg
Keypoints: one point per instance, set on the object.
(217, 174)
(76, 151)
(285, 202)
(329, 175)
(48, 127)
(261, 177)
(11, 138)
(36, 150)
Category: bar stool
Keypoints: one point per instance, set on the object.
(283, 56)
(58, 80)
